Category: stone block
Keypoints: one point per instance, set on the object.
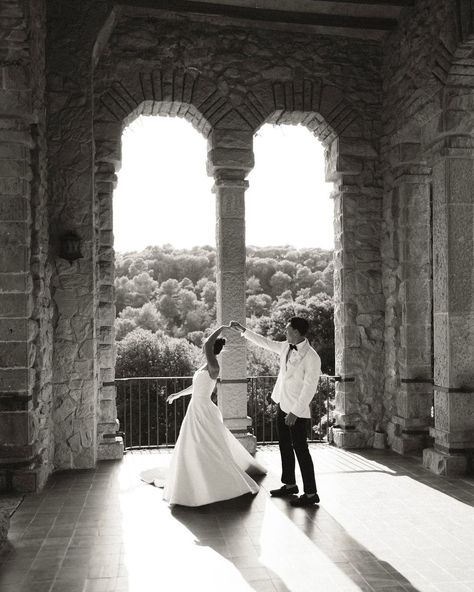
(14, 282)
(231, 296)
(13, 208)
(15, 77)
(460, 177)
(231, 244)
(230, 158)
(13, 329)
(108, 393)
(106, 336)
(349, 439)
(106, 375)
(13, 259)
(226, 138)
(461, 350)
(15, 428)
(108, 410)
(16, 380)
(233, 360)
(106, 238)
(15, 305)
(407, 443)
(16, 102)
(232, 399)
(449, 465)
(14, 354)
(111, 450)
(106, 356)
(106, 294)
(441, 350)
(230, 203)
(14, 168)
(412, 404)
(108, 130)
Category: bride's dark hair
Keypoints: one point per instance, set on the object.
(218, 345)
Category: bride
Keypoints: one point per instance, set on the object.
(208, 464)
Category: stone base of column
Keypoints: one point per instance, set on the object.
(110, 443)
(450, 465)
(348, 439)
(27, 479)
(408, 443)
(409, 434)
(110, 448)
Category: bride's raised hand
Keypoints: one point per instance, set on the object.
(171, 398)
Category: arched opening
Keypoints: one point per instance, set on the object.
(165, 290)
(290, 244)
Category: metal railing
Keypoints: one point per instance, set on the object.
(147, 421)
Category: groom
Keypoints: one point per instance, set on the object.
(300, 367)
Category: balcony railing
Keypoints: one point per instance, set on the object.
(147, 421)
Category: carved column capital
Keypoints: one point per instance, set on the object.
(230, 178)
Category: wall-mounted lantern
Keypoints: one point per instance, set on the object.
(70, 247)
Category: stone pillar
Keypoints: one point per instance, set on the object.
(453, 276)
(358, 297)
(230, 160)
(412, 192)
(25, 311)
(110, 445)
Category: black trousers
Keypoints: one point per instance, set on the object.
(292, 440)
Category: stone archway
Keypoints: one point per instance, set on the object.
(323, 110)
(178, 93)
(227, 104)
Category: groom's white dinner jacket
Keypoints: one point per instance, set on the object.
(297, 380)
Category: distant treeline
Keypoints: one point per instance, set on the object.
(171, 293)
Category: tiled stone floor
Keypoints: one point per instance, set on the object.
(384, 524)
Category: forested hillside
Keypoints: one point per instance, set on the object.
(171, 293)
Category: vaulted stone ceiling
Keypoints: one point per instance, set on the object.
(366, 19)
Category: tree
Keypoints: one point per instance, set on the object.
(143, 353)
(280, 282)
(258, 304)
(253, 285)
(209, 294)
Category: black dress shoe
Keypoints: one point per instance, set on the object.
(284, 491)
(305, 500)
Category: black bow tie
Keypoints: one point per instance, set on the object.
(293, 347)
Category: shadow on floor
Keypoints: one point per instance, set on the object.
(255, 540)
(459, 488)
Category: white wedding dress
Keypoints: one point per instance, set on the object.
(209, 464)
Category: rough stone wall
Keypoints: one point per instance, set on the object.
(235, 79)
(25, 304)
(72, 31)
(417, 60)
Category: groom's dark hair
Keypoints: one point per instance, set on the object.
(300, 324)
(218, 345)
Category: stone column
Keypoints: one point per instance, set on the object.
(358, 297)
(230, 160)
(25, 311)
(453, 276)
(108, 140)
(412, 191)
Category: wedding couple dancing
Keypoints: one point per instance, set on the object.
(209, 464)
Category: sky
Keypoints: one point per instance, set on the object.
(164, 195)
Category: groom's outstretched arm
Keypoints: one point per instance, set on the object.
(274, 346)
